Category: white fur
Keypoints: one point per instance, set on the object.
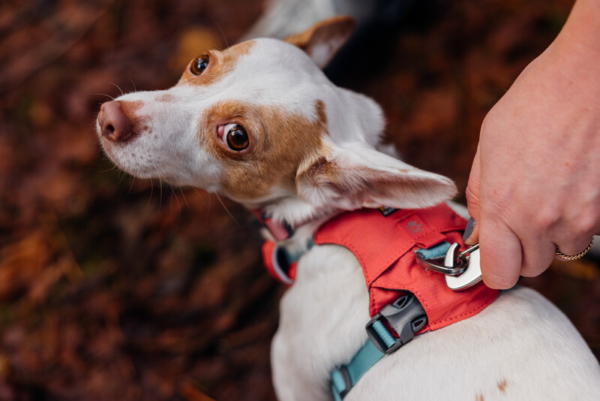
(519, 348)
(521, 343)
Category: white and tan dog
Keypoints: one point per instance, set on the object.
(261, 124)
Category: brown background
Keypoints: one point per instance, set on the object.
(118, 289)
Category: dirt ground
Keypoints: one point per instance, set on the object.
(114, 288)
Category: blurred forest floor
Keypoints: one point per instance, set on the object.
(119, 289)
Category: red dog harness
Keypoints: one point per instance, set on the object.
(384, 241)
(384, 246)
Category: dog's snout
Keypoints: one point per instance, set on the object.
(115, 125)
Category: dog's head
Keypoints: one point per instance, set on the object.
(260, 123)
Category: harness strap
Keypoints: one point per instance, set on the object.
(345, 377)
(280, 262)
(405, 317)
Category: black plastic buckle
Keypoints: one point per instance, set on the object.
(405, 316)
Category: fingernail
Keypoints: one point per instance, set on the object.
(469, 229)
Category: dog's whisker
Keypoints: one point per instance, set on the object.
(222, 33)
(133, 83)
(113, 167)
(131, 186)
(184, 199)
(227, 210)
(175, 195)
(200, 194)
(151, 190)
(122, 176)
(103, 94)
(160, 187)
(118, 87)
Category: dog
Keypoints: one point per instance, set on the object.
(260, 123)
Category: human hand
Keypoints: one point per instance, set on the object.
(535, 180)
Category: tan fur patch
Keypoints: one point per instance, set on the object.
(502, 386)
(335, 26)
(320, 167)
(279, 142)
(220, 64)
(130, 110)
(324, 32)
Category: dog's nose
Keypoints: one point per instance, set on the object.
(114, 123)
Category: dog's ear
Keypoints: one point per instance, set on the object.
(322, 40)
(355, 177)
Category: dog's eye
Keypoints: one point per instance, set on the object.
(236, 137)
(199, 65)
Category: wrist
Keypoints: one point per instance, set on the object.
(571, 61)
(579, 36)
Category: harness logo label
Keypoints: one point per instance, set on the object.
(386, 211)
(414, 227)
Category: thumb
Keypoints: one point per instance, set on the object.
(501, 254)
(472, 194)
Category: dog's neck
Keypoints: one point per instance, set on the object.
(291, 214)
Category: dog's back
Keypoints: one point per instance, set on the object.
(521, 347)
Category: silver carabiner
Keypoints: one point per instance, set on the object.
(462, 269)
(443, 264)
(444, 268)
(471, 258)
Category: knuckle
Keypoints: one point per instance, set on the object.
(472, 196)
(546, 218)
(586, 225)
(532, 270)
(502, 211)
(489, 119)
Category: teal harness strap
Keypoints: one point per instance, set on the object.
(390, 329)
(436, 251)
(345, 377)
(405, 317)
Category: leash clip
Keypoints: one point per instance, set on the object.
(436, 259)
(471, 258)
(397, 323)
(462, 269)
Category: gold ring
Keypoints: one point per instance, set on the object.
(575, 257)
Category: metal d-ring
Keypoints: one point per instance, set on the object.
(463, 255)
(440, 268)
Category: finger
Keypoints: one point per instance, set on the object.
(472, 194)
(501, 254)
(473, 237)
(537, 256)
(572, 247)
(469, 229)
(574, 235)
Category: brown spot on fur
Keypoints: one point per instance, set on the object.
(321, 113)
(320, 167)
(166, 98)
(334, 25)
(220, 64)
(479, 397)
(279, 142)
(323, 32)
(502, 385)
(130, 110)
